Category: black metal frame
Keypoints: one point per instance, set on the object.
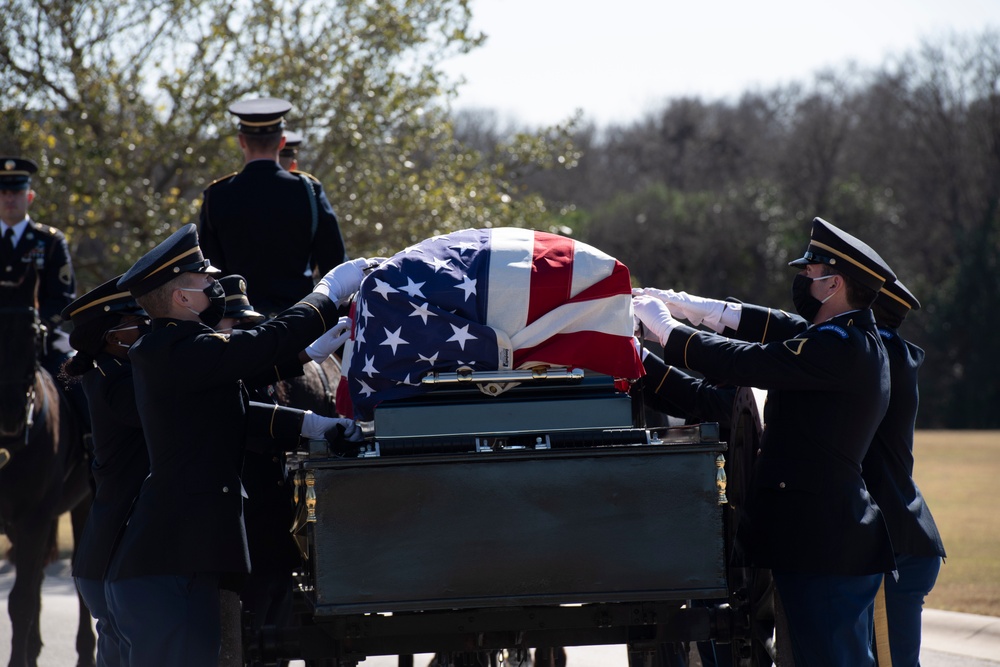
(642, 626)
(344, 636)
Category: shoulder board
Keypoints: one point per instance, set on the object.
(888, 334)
(42, 228)
(306, 174)
(219, 180)
(835, 328)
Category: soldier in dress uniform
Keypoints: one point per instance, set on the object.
(268, 510)
(288, 156)
(106, 322)
(888, 472)
(887, 468)
(24, 242)
(810, 518)
(185, 537)
(275, 228)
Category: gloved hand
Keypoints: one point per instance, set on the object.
(694, 309)
(59, 340)
(344, 280)
(328, 343)
(642, 350)
(345, 440)
(656, 320)
(317, 427)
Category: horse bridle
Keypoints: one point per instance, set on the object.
(30, 394)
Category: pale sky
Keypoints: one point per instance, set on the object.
(618, 59)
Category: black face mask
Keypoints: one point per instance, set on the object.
(212, 315)
(806, 304)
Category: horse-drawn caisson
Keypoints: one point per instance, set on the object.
(545, 517)
(506, 509)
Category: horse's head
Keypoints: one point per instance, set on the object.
(21, 334)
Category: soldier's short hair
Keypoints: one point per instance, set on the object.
(157, 301)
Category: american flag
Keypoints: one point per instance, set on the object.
(490, 299)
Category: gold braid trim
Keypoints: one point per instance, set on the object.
(847, 258)
(274, 413)
(321, 318)
(660, 386)
(686, 343)
(881, 623)
(767, 323)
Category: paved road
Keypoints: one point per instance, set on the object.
(951, 639)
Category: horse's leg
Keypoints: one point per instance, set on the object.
(86, 640)
(25, 602)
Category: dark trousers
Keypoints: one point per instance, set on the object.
(108, 649)
(828, 617)
(267, 596)
(904, 603)
(169, 621)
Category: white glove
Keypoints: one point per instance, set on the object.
(694, 309)
(315, 427)
(656, 320)
(59, 340)
(328, 343)
(640, 348)
(344, 280)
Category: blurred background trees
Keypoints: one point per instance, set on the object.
(715, 197)
(124, 107)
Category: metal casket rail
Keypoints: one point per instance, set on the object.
(514, 528)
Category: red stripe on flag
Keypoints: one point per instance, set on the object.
(342, 396)
(551, 274)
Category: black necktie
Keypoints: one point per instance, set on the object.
(8, 236)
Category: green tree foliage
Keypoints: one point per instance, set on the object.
(706, 243)
(124, 106)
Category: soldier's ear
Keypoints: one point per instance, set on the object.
(179, 297)
(31, 196)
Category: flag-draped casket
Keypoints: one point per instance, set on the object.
(489, 299)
